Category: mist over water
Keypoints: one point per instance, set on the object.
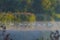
(31, 31)
(34, 26)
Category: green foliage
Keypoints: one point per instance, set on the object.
(48, 7)
(49, 4)
(46, 4)
(32, 18)
(7, 18)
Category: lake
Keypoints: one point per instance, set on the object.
(27, 35)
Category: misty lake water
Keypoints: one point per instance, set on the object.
(36, 32)
(28, 35)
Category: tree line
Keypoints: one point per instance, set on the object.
(48, 9)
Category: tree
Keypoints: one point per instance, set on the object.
(32, 18)
(49, 7)
(36, 6)
(8, 18)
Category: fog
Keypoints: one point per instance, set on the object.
(34, 26)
